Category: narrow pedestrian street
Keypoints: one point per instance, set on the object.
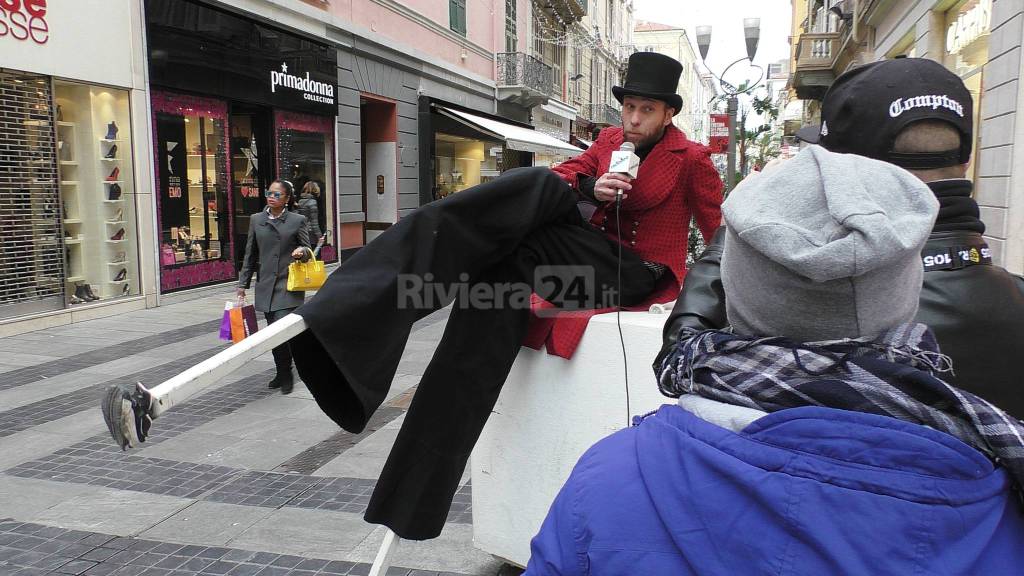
(239, 480)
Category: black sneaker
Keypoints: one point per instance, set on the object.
(126, 410)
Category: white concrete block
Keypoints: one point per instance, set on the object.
(549, 412)
(1003, 10)
(994, 192)
(997, 131)
(995, 220)
(1003, 68)
(1006, 36)
(1013, 250)
(995, 161)
(999, 100)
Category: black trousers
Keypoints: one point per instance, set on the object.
(282, 353)
(497, 233)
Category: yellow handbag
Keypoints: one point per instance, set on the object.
(304, 276)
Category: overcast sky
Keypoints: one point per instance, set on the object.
(726, 19)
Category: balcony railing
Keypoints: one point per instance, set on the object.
(817, 51)
(601, 114)
(569, 10)
(518, 70)
(820, 58)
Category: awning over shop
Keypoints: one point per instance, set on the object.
(515, 137)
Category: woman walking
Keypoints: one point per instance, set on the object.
(276, 237)
(308, 207)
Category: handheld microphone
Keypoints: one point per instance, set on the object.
(624, 161)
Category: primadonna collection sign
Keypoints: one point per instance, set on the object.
(222, 54)
(311, 89)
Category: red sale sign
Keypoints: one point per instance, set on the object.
(719, 138)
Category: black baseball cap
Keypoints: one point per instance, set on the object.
(866, 108)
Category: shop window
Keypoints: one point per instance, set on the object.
(32, 263)
(461, 162)
(97, 185)
(251, 168)
(194, 204)
(305, 156)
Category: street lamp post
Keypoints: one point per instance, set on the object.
(732, 106)
(751, 34)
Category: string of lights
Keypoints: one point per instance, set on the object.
(562, 33)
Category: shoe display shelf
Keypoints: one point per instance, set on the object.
(87, 159)
(202, 180)
(70, 171)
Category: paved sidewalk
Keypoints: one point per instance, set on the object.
(240, 480)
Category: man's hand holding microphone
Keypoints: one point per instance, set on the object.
(621, 171)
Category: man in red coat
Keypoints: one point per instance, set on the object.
(486, 249)
(676, 181)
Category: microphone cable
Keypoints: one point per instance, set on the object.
(618, 301)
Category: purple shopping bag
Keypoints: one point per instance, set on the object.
(225, 323)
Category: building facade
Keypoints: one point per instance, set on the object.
(140, 154)
(980, 40)
(76, 207)
(600, 44)
(673, 42)
(236, 104)
(697, 88)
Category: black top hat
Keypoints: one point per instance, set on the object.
(652, 75)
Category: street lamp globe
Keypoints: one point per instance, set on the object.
(703, 40)
(752, 33)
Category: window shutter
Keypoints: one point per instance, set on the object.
(32, 271)
(457, 16)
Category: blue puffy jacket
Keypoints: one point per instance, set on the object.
(808, 491)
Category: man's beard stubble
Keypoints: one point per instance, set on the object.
(650, 141)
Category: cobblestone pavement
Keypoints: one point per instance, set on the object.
(239, 480)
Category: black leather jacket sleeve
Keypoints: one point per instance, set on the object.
(586, 188)
(701, 302)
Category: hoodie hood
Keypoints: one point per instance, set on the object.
(766, 499)
(825, 246)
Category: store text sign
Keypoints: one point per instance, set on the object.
(718, 141)
(969, 26)
(321, 92)
(24, 20)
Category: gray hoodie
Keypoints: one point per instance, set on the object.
(825, 246)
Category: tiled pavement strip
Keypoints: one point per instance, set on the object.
(31, 549)
(97, 462)
(49, 409)
(30, 374)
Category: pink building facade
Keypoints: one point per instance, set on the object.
(405, 65)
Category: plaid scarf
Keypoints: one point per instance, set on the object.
(892, 375)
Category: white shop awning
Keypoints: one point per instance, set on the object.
(515, 137)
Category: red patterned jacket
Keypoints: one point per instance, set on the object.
(676, 181)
